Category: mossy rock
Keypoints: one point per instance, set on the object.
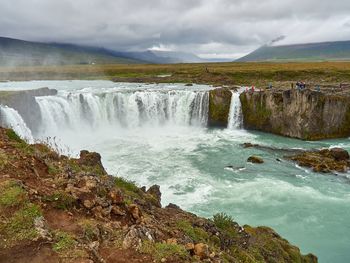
(219, 107)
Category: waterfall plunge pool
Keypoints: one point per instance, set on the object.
(156, 134)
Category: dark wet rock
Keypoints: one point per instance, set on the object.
(255, 159)
(324, 161)
(235, 168)
(339, 154)
(173, 206)
(154, 191)
(248, 145)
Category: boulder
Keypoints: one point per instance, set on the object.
(255, 159)
(91, 159)
(135, 211)
(339, 154)
(154, 191)
(324, 161)
(189, 247)
(201, 250)
(116, 196)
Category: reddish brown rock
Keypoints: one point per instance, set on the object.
(201, 250)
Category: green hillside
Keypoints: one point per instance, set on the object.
(327, 51)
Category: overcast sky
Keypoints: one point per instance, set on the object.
(209, 28)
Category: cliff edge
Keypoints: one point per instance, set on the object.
(303, 114)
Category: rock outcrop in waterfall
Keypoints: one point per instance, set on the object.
(219, 107)
(303, 114)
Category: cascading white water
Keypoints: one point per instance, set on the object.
(130, 109)
(235, 115)
(10, 118)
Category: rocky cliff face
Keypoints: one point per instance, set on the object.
(306, 114)
(24, 102)
(219, 107)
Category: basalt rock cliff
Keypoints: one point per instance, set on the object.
(303, 114)
(219, 107)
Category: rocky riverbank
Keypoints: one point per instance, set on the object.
(304, 114)
(59, 209)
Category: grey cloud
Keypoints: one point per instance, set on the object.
(199, 26)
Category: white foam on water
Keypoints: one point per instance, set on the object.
(235, 119)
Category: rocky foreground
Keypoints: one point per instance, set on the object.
(59, 209)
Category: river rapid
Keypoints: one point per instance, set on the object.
(157, 134)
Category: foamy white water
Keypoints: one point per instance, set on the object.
(155, 134)
(235, 119)
(10, 118)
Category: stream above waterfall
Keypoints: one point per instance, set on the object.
(157, 134)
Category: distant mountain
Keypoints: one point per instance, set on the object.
(14, 52)
(339, 50)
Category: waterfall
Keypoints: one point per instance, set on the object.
(124, 109)
(10, 118)
(235, 115)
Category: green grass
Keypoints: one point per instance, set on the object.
(162, 250)
(20, 226)
(258, 74)
(60, 200)
(64, 241)
(13, 136)
(126, 185)
(11, 194)
(225, 223)
(52, 169)
(195, 233)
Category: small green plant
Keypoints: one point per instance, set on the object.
(90, 230)
(64, 241)
(52, 170)
(225, 223)
(60, 200)
(195, 233)
(126, 185)
(11, 194)
(13, 136)
(163, 250)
